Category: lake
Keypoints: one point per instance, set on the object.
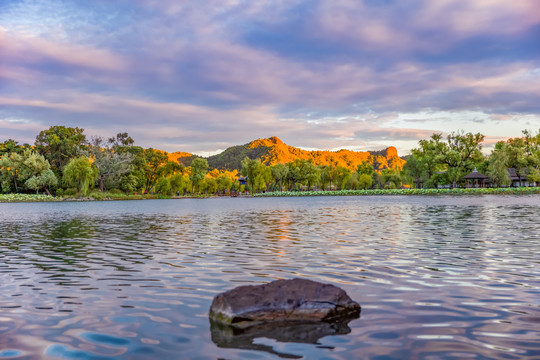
(437, 277)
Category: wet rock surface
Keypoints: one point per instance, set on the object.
(293, 300)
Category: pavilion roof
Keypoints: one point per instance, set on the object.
(475, 175)
(513, 174)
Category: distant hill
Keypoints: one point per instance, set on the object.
(181, 157)
(273, 151)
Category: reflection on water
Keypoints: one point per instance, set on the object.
(226, 336)
(437, 277)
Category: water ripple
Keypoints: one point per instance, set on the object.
(438, 278)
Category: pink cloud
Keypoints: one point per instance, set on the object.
(470, 17)
(28, 49)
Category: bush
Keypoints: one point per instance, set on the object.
(70, 192)
(97, 195)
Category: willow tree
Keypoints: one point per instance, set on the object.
(199, 168)
(279, 173)
(497, 166)
(258, 174)
(81, 173)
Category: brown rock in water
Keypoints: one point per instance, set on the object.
(283, 300)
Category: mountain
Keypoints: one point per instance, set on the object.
(273, 151)
(181, 157)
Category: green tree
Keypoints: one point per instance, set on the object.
(44, 180)
(11, 146)
(326, 177)
(365, 181)
(163, 186)
(343, 175)
(199, 168)
(365, 168)
(121, 140)
(533, 177)
(294, 175)
(26, 168)
(532, 148)
(60, 144)
(11, 165)
(497, 166)
(153, 160)
(130, 183)
(309, 173)
(210, 185)
(391, 179)
(81, 173)
(37, 172)
(515, 150)
(257, 174)
(224, 183)
(179, 183)
(524, 155)
(279, 173)
(263, 179)
(359, 180)
(136, 179)
(111, 164)
(458, 154)
(418, 169)
(353, 183)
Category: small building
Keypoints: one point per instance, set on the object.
(475, 179)
(242, 180)
(516, 179)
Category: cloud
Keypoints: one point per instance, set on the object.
(196, 75)
(475, 17)
(33, 50)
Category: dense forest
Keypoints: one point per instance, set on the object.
(64, 162)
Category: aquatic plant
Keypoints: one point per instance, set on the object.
(25, 197)
(455, 191)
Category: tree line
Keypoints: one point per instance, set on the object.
(444, 161)
(63, 161)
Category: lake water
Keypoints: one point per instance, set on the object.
(437, 277)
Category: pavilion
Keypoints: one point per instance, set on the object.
(476, 179)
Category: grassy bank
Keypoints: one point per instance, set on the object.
(472, 191)
(97, 196)
(91, 197)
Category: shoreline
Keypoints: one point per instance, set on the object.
(409, 192)
(17, 198)
(14, 198)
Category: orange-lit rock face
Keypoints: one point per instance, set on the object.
(281, 153)
(391, 152)
(178, 155)
(274, 151)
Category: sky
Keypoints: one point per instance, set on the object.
(200, 76)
